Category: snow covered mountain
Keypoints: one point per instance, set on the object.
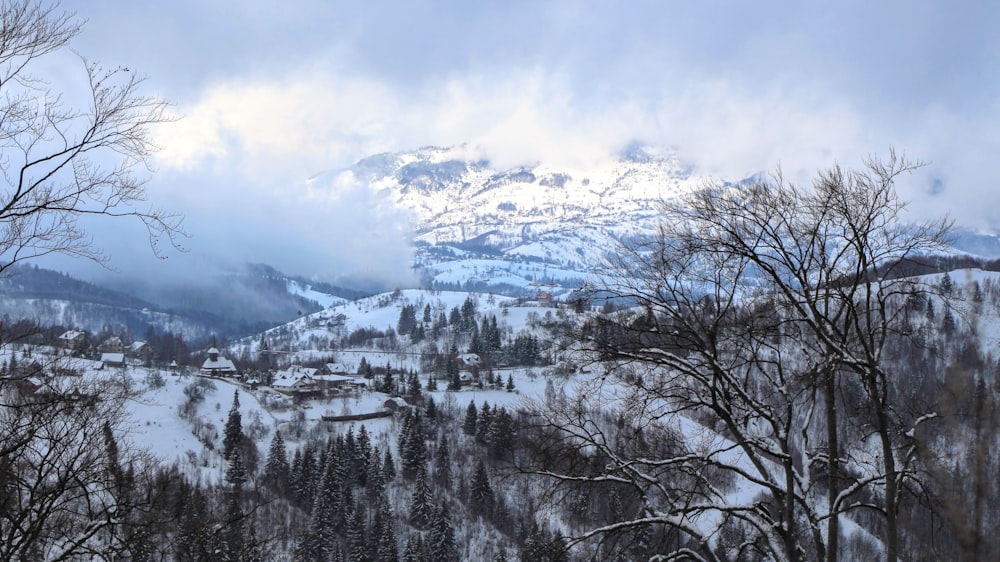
(511, 230)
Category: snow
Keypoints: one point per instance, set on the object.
(306, 291)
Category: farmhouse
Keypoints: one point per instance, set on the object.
(112, 345)
(140, 350)
(72, 340)
(296, 380)
(113, 359)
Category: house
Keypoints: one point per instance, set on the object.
(337, 321)
(140, 350)
(112, 345)
(72, 340)
(333, 382)
(395, 405)
(544, 299)
(469, 360)
(113, 359)
(335, 369)
(296, 380)
(217, 365)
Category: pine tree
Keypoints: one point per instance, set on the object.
(421, 510)
(231, 546)
(482, 493)
(427, 313)
(416, 549)
(233, 434)
(388, 466)
(471, 415)
(443, 547)
(276, 469)
(442, 464)
(386, 547)
(362, 455)
(475, 344)
(451, 368)
(413, 449)
(407, 320)
(484, 421)
(468, 314)
(413, 387)
(500, 435)
(357, 541)
(430, 409)
(510, 383)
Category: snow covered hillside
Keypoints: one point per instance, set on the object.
(482, 228)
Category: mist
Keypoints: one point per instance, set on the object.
(268, 97)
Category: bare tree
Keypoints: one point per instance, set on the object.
(756, 310)
(61, 163)
(68, 489)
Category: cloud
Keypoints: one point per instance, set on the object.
(272, 94)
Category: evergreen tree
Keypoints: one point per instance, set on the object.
(430, 409)
(194, 531)
(443, 547)
(442, 464)
(231, 545)
(416, 549)
(418, 334)
(413, 449)
(407, 320)
(451, 368)
(421, 509)
(439, 326)
(431, 384)
(481, 492)
(493, 343)
(233, 434)
(484, 421)
(427, 313)
(510, 383)
(388, 466)
(946, 285)
(468, 314)
(384, 538)
(362, 459)
(413, 387)
(471, 415)
(357, 541)
(475, 343)
(276, 469)
(500, 436)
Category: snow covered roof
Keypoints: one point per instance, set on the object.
(296, 371)
(218, 365)
(291, 380)
(112, 358)
(71, 335)
(333, 378)
(336, 368)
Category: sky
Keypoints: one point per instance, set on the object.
(271, 93)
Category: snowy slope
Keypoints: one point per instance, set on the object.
(468, 210)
